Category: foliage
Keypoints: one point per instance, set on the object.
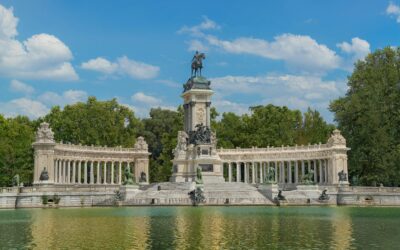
(369, 117)
(16, 153)
(95, 123)
(160, 131)
(272, 126)
(45, 199)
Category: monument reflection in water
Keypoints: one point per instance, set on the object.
(201, 228)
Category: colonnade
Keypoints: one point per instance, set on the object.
(90, 172)
(285, 171)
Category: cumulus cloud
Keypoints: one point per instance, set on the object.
(394, 11)
(42, 56)
(122, 66)
(145, 99)
(298, 51)
(23, 106)
(20, 87)
(357, 49)
(197, 30)
(67, 97)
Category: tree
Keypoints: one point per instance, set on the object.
(369, 117)
(161, 130)
(95, 123)
(16, 153)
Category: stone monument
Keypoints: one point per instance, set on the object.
(196, 147)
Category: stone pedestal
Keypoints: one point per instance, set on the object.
(129, 191)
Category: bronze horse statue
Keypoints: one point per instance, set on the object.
(197, 63)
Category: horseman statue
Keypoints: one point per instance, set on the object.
(197, 63)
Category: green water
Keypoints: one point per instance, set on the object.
(201, 228)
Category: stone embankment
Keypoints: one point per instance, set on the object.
(172, 194)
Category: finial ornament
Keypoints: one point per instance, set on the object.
(197, 63)
(337, 139)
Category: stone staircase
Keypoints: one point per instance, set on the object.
(234, 194)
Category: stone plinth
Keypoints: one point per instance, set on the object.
(129, 191)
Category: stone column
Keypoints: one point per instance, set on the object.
(230, 171)
(296, 172)
(73, 172)
(85, 179)
(98, 172)
(119, 173)
(253, 173)
(237, 171)
(79, 172)
(315, 171)
(56, 171)
(283, 172)
(245, 172)
(68, 171)
(112, 172)
(276, 172)
(91, 169)
(261, 166)
(326, 170)
(302, 169)
(105, 172)
(320, 171)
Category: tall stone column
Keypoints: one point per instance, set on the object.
(91, 170)
(112, 172)
(85, 178)
(253, 173)
(73, 172)
(276, 172)
(315, 171)
(296, 172)
(261, 166)
(98, 172)
(283, 172)
(230, 172)
(56, 171)
(68, 171)
(302, 169)
(105, 172)
(119, 173)
(79, 172)
(237, 171)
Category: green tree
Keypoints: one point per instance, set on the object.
(314, 128)
(16, 154)
(161, 130)
(369, 117)
(95, 123)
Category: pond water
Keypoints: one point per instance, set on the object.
(201, 228)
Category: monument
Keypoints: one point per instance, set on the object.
(196, 148)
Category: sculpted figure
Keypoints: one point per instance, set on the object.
(143, 177)
(270, 178)
(44, 176)
(197, 63)
(342, 176)
(199, 177)
(15, 180)
(129, 179)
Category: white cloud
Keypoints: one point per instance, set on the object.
(41, 56)
(358, 48)
(298, 51)
(393, 10)
(23, 106)
(196, 45)
(100, 65)
(197, 30)
(296, 84)
(67, 97)
(20, 87)
(122, 66)
(146, 99)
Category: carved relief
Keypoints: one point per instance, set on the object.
(44, 133)
(200, 114)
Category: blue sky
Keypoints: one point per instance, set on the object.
(293, 53)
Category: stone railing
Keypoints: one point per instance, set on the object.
(363, 189)
(83, 148)
(312, 147)
(9, 190)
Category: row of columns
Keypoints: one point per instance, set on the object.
(89, 172)
(285, 171)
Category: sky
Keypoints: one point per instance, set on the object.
(293, 53)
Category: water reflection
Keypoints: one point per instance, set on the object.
(200, 228)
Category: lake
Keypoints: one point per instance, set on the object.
(201, 228)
